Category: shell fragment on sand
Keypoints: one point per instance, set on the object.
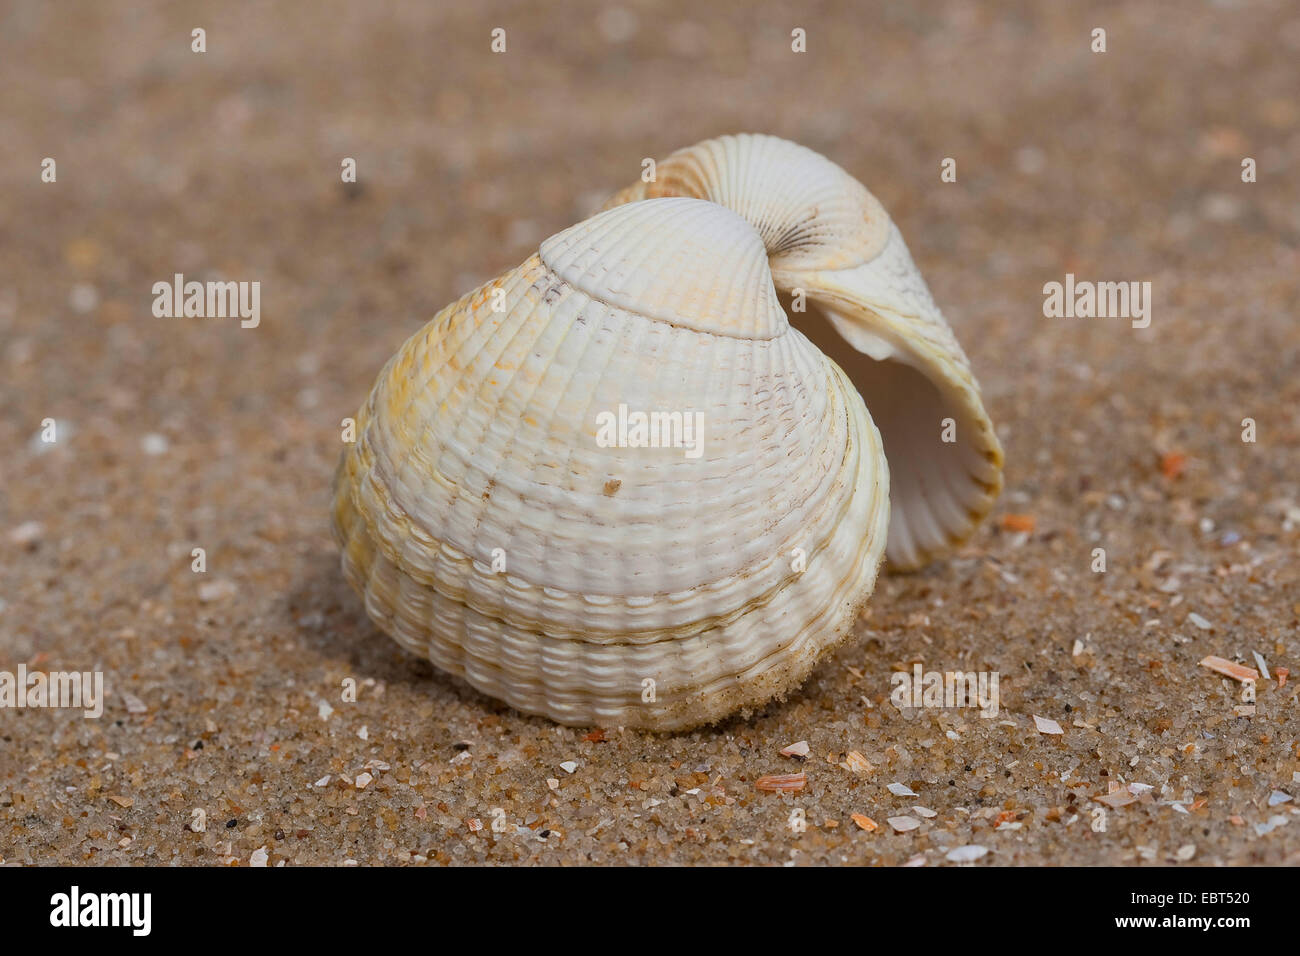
(1259, 661)
(782, 782)
(854, 762)
(797, 750)
(1237, 672)
(1046, 725)
(1117, 799)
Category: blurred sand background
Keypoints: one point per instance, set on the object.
(223, 688)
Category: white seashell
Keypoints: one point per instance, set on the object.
(872, 313)
(653, 587)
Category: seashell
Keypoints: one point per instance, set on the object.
(871, 312)
(493, 527)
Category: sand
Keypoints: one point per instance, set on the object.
(225, 689)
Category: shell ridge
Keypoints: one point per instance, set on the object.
(701, 246)
(431, 579)
(455, 447)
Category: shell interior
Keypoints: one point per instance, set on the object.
(831, 241)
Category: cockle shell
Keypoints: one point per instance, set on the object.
(492, 530)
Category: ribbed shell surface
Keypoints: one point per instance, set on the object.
(494, 528)
(828, 237)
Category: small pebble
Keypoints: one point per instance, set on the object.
(904, 824)
(1030, 160)
(1220, 207)
(27, 534)
(1273, 823)
(83, 298)
(154, 444)
(968, 853)
(218, 590)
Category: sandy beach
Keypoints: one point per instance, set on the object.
(225, 737)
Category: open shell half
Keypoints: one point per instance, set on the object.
(870, 310)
